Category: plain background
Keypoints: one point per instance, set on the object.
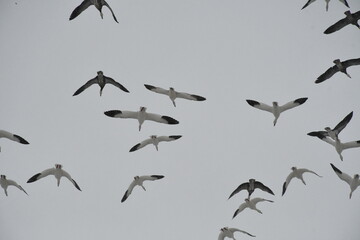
(227, 51)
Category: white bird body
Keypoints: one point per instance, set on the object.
(141, 116)
(13, 137)
(174, 94)
(229, 232)
(138, 181)
(275, 109)
(296, 173)
(353, 182)
(250, 203)
(5, 183)
(155, 140)
(58, 173)
(339, 146)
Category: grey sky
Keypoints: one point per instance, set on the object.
(226, 51)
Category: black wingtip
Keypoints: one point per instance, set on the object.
(124, 197)
(170, 120)
(112, 113)
(252, 102)
(33, 178)
(198, 98)
(284, 189)
(236, 213)
(76, 185)
(21, 140)
(157, 176)
(175, 136)
(301, 100)
(335, 169)
(134, 148)
(316, 134)
(150, 87)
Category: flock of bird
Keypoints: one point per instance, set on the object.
(330, 136)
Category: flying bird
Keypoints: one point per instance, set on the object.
(338, 67)
(353, 182)
(250, 203)
(154, 140)
(11, 136)
(100, 79)
(58, 172)
(229, 232)
(298, 173)
(275, 108)
(141, 116)
(327, 3)
(87, 3)
(174, 94)
(138, 181)
(351, 18)
(333, 133)
(339, 146)
(250, 187)
(5, 183)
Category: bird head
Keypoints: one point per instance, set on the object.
(337, 61)
(356, 176)
(3, 177)
(136, 177)
(293, 168)
(275, 104)
(142, 109)
(100, 72)
(58, 166)
(153, 136)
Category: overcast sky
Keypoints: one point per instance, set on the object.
(227, 51)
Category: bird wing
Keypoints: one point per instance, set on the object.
(292, 104)
(12, 137)
(67, 175)
(303, 170)
(190, 96)
(128, 191)
(328, 74)
(287, 182)
(221, 236)
(356, 15)
(161, 119)
(79, 9)
(343, 176)
(308, 3)
(352, 144)
(259, 105)
(337, 26)
(13, 183)
(151, 177)
(242, 186)
(345, 2)
(86, 85)
(140, 145)
(106, 4)
(115, 83)
(238, 230)
(43, 174)
(168, 138)
(240, 209)
(258, 184)
(351, 62)
(157, 89)
(256, 200)
(121, 114)
(341, 125)
(322, 136)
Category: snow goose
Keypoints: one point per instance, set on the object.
(351, 18)
(13, 137)
(138, 181)
(5, 183)
(353, 182)
(333, 133)
(338, 67)
(250, 187)
(275, 108)
(87, 3)
(100, 79)
(250, 203)
(339, 146)
(298, 173)
(229, 232)
(141, 116)
(327, 3)
(58, 172)
(154, 140)
(174, 94)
